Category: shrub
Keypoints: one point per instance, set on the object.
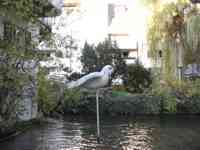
(178, 96)
(72, 99)
(111, 103)
(188, 95)
(49, 94)
(137, 78)
(168, 99)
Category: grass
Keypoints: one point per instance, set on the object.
(120, 93)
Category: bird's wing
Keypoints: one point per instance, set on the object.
(84, 79)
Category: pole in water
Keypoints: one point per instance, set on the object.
(97, 111)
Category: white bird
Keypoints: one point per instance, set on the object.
(94, 80)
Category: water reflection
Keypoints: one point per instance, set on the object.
(141, 133)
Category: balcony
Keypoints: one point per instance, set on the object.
(71, 3)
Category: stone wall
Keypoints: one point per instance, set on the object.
(28, 106)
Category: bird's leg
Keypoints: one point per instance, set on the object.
(97, 113)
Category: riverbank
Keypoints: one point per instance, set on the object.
(111, 104)
(11, 129)
(126, 104)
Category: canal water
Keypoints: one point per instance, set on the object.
(118, 133)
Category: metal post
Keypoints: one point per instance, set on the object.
(98, 123)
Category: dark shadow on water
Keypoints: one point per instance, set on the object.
(126, 133)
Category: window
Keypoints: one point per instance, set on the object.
(125, 54)
(9, 31)
(27, 38)
(20, 36)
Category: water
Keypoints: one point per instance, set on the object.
(135, 133)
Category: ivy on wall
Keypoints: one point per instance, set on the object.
(16, 48)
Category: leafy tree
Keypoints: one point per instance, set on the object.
(192, 55)
(95, 57)
(89, 58)
(49, 93)
(25, 10)
(137, 78)
(174, 27)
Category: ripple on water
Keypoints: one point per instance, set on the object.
(144, 133)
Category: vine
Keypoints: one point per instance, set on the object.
(16, 48)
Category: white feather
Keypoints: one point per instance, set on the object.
(93, 80)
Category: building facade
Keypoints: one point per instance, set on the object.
(130, 44)
(27, 35)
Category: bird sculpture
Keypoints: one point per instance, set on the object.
(95, 80)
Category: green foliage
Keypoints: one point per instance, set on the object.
(116, 104)
(49, 93)
(187, 92)
(175, 32)
(164, 98)
(95, 57)
(137, 78)
(166, 32)
(178, 96)
(187, 88)
(193, 39)
(72, 99)
(168, 103)
(149, 2)
(12, 79)
(120, 88)
(28, 10)
(120, 93)
(16, 48)
(89, 58)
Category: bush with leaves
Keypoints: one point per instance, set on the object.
(72, 100)
(49, 94)
(168, 101)
(137, 78)
(187, 95)
(178, 96)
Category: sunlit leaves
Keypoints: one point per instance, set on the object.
(193, 32)
(193, 39)
(166, 26)
(29, 10)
